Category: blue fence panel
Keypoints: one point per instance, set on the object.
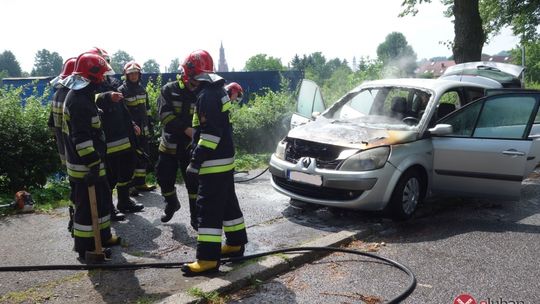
(251, 82)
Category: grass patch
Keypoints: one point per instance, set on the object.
(147, 300)
(212, 297)
(137, 253)
(251, 161)
(40, 293)
(284, 256)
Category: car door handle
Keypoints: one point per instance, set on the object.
(513, 152)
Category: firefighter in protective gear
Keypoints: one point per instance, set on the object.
(235, 92)
(136, 100)
(108, 89)
(120, 134)
(56, 120)
(175, 107)
(212, 161)
(85, 151)
(57, 106)
(110, 83)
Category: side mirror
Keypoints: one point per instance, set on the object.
(441, 129)
(315, 115)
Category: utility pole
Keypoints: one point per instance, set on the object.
(523, 64)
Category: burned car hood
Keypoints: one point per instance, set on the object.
(357, 133)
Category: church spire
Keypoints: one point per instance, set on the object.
(222, 65)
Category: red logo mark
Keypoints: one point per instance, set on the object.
(464, 299)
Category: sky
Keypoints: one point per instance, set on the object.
(168, 29)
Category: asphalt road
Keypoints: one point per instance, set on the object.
(36, 239)
(485, 249)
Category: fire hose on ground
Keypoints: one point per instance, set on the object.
(129, 266)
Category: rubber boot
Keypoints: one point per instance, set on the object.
(133, 192)
(228, 251)
(173, 205)
(116, 215)
(200, 267)
(145, 187)
(113, 241)
(126, 204)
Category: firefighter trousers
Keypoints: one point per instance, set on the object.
(120, 168)
(141, 165)
(166, 170)
(82, 223)
(218, 211)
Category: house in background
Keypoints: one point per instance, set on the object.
(435, 68)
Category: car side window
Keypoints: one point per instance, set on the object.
(535, 130)
(463, 122)
(505, 117)
(309, 99)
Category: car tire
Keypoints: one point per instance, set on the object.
(407, 195)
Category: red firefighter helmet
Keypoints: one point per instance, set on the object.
(92, 67)
(199, 66)
(132, 67)
(233, 88)
(68, 67)
(101, 52)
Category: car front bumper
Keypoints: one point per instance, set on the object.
(365, 190)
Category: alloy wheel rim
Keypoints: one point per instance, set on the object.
(411, 195)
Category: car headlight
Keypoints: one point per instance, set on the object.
(280, 150)
(366, 160)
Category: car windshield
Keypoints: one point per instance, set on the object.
(402, 108)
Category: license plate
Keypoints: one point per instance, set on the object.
(305, 178)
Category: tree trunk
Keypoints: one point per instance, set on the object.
(469, 34)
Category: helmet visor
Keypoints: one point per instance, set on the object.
(110, 71)
(75, 82)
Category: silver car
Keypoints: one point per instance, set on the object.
(388, 144)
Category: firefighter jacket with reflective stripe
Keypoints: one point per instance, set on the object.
(117, 124)
(57, 107)
(175, 110)
(83, 135)
(136, 100)
(213, 142)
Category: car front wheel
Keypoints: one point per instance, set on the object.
(407, 195)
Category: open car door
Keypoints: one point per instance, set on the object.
(493, 146)
(309, 101)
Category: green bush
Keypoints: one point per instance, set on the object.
(153, 89)
(28, 150)
(262, 122)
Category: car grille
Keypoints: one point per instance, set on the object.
(317, 192)
(324, 154)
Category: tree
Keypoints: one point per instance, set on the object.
(174, 65)
(119, 59)
(47, 63)
(9, 64)
(263, 62)
(396, 53)
(150, 66)
(532, 60)
(317, 68)
(476, 21)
